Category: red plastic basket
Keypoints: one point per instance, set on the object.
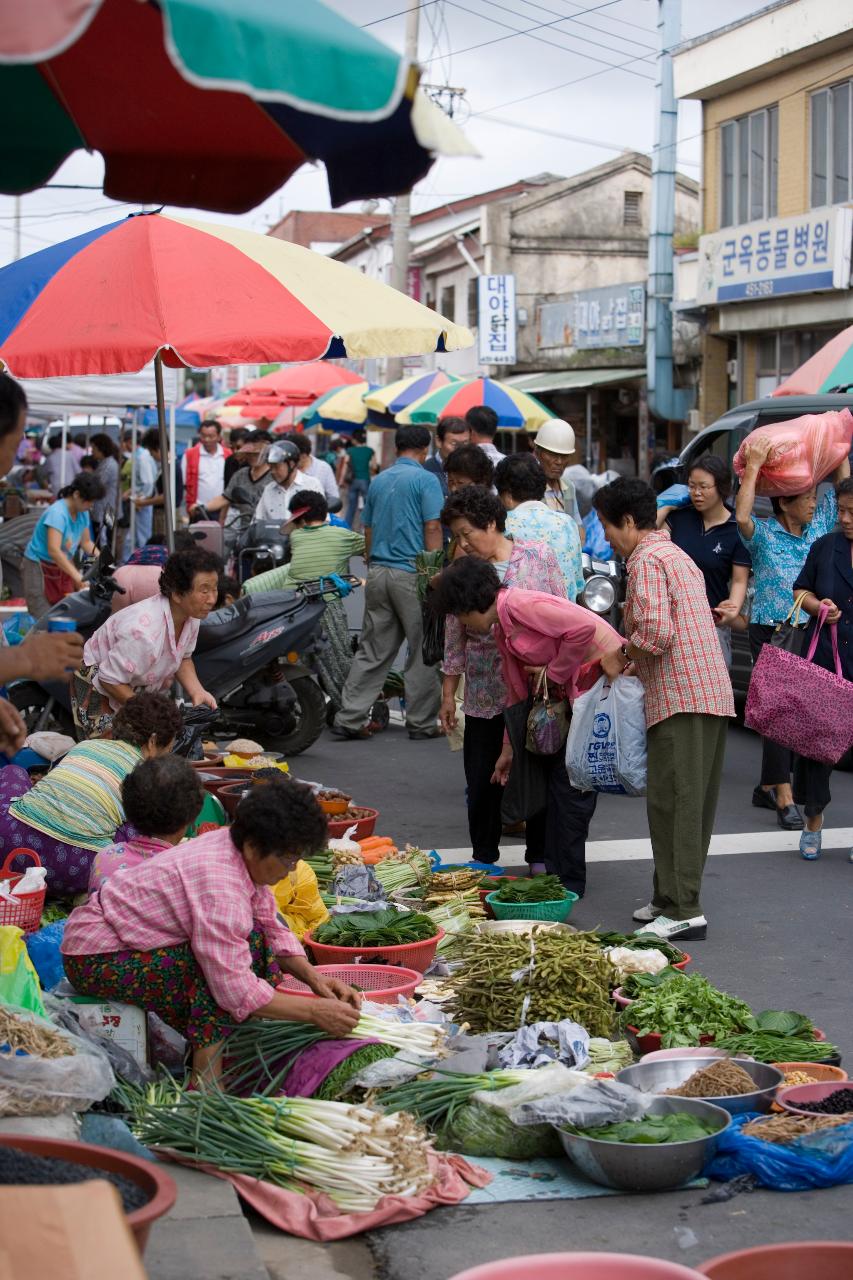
(412, 955)
(380, 983)
(26, 912)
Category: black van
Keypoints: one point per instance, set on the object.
(724, 438)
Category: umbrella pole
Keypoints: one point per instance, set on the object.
(168, 509)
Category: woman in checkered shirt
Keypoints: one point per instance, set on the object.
(672, 646)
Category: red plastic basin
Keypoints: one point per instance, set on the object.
(823, 1259)
(579, 1266)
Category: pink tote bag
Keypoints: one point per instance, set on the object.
(800, 705)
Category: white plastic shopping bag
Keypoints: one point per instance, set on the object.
(606, 749)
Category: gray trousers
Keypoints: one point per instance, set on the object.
(392, 614)
(33, 580)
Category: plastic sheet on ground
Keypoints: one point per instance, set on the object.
(594, 1103)
(313, 1216)
(543, 1042)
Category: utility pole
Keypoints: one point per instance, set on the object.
(664, 399)
(401, 216)
(17, 224)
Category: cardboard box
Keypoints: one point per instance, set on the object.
(127, 1024)
(66, 1233)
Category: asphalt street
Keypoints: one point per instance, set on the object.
(779, 936)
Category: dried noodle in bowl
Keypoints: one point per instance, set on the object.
(725, 1079)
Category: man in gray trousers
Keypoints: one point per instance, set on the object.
(400, 518)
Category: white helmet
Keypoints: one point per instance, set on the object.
(556, 436)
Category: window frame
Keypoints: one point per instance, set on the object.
(636, 202)
(827, 93)
(737, 210)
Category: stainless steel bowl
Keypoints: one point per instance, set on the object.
(626, 1166)
(657, 1077)
(522, 926)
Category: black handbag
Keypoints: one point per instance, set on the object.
(526, 792)
(432, 644)
(792, 634)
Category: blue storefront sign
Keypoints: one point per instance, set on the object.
(801, 254)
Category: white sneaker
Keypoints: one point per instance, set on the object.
(674, 930)
(647, 913)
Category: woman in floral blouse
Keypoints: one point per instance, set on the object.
(477, 520)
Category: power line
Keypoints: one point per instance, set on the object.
(528, 31)
(607, 17)
(538, 93)
(571, 18)
(399, 14)
(572, 137)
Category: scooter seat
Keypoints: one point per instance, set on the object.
(244, 615)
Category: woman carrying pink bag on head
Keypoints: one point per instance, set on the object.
(827, 577)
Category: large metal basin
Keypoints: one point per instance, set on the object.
(629, 1167)
(657, 1077)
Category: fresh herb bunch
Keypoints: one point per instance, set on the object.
(376, 929)
(639, 943)
(685, 1008)
(635, 984)
(779, 1036)
(681, 1126)
(534, 889)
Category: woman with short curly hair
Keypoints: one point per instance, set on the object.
(150, 644)
(193, 936)
(76, 809)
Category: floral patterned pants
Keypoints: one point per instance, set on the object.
(168, 982)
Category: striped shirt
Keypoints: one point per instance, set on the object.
(79, 802)
(200, 893)
(315, 550)
(668, 618)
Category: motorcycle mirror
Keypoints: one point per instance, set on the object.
(335, 506)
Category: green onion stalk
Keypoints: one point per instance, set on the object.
(353, 1154)
(436, 1098)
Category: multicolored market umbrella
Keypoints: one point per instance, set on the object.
(341, 409)
(211, 103)
(827, 370)
(514, 408)
(187, 293)
(298, 384)
(400, 394)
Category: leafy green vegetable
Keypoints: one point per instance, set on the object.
(636, 983)
(684, 1008)
(782, 1023)
(476, 1129)
(376, 929)
(651, 1130)
(534, 889)
(337, 1081)
(639, 943)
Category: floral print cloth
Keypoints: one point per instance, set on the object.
(137, 646)
(129, 853)
(532, 567)
(535, 522)
(778, 557)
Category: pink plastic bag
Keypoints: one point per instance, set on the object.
(800, 705)
(806, 450)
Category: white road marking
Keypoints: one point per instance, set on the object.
(640, 850)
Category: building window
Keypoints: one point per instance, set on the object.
(749, 167)
(448, 304)
(632, 210)
(831, 166)
(473, 302)
(779, 353)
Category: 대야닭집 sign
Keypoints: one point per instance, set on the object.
(496, 319)
(801, 254)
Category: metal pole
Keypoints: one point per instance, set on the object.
(16, 253)
(401, 217)
(172, 459)
(165, 464)
(131, 532)
(64, 447)
(589, 431)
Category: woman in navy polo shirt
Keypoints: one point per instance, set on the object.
(707, 531)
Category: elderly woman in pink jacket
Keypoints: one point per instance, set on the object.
(535, 631)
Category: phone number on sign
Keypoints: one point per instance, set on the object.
(759, 289)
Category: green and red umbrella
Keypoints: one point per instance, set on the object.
(210, 103)
(827, 370)
(515, 409)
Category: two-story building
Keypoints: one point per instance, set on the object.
(773, 266)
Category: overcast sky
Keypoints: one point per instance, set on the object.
(584, 72)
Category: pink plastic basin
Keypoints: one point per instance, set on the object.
(579, 1266)
(698, 1051)
(823, 1259)
(792, 1098)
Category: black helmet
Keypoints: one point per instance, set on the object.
(283, 451)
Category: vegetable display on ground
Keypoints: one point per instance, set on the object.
(725, 1079)
(533, 889)
(387, 928)
(685, 1008)
(651, 1130)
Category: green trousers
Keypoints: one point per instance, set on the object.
(685, 764)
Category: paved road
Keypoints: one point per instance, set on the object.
(779, 936)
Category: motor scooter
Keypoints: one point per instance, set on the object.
(256, 656)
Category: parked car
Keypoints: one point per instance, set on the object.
(723, 438)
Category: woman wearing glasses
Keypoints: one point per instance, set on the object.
(707, 531)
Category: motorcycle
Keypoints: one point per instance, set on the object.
(604, 588)
(256, 656)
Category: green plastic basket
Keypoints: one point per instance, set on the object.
(559, 909)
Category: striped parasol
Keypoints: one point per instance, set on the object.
(515, 409)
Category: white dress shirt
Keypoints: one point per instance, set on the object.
(321, 471)
(211, 473)
(491, 452)
(275, 499)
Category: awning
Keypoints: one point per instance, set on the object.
(573, 379)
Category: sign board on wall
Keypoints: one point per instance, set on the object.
(496, 319)
(800, 254)
(595, 319)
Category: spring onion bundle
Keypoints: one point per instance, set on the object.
(353, 1154)
(435, 1099)
(408, 869)
(337, 1082)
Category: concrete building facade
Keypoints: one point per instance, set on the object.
(773, 273)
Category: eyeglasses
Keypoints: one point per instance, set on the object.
(700, 488)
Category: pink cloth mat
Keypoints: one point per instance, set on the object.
(313, 1216)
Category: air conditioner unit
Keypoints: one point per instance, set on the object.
(694, 420)
(732, 370)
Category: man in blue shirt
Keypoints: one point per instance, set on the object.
(450, 434)
(400, 518)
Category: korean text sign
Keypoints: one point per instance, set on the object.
(799, 254)
(496, 319)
